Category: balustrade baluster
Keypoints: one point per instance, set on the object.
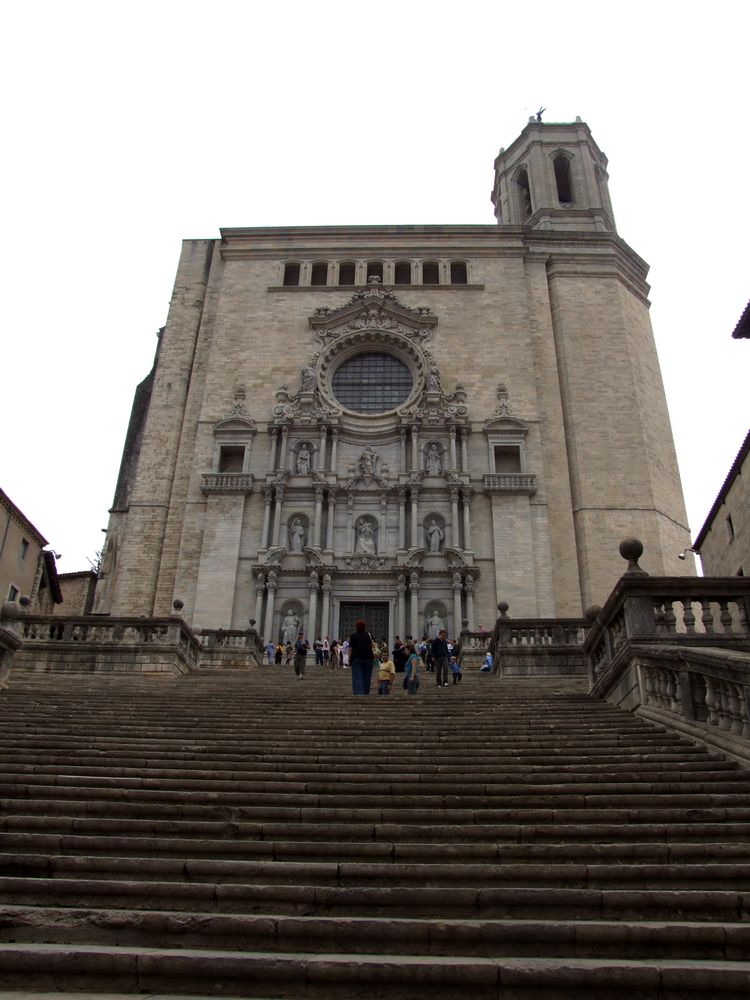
(725, 616)
(707, 616)
(688, 618)
(670, 619)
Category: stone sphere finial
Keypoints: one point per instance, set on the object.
(10, 611)
(252, 623)
(592, 613)
(632, 550)
(178, 605)
(503, 609)
(25, 602)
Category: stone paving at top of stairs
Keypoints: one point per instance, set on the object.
(251, 835)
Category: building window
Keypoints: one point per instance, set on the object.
(347, 273)
(319, 274)
(372, 383)
(291, 274)
(562, 179)
(402, 273)
(24, 549)
(13, 593)
(507, 459)
(730, 528)
(231, 458)
(375, 269)
(430, 273)
(458, 272)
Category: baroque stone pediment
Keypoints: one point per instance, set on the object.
(373, 308)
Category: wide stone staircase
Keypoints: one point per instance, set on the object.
(246, 834)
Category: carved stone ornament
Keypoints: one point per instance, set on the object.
(364, 561)
(373, 308)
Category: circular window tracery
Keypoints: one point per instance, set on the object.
(372, 382)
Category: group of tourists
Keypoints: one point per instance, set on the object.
(360, 653)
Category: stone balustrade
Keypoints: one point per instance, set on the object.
(526, 646)
(227, 482)
(689, 611)
(119, 644)
(677, 650)
(510, 482)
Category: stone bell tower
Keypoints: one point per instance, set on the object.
(554, 176)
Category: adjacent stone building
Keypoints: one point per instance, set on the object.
(405, 422)
(26, 568)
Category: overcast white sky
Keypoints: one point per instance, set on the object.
(129, 127)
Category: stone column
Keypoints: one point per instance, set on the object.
(334, 443)
(401, 520)
(321, 463)
(260, 583)
(318, 515)
(452, 442)
(454, 519)
(402, 434)
(416, 540)
(464, 451)
(271, 588)
(349, 523)
(415, 630)
(470, 601)
(331, 513)
(284, 440)
(267, 497)
(467, 495)
(279, 511)
(456, 587)
(415, 447)
(325, 614)
(312, 611)
(274, 432)
(401, 605)
(382, 536)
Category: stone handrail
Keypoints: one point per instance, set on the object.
(691, 611)
(232, 639)
(538, 632)
(510, 482)
(227, 482)
(119, 631)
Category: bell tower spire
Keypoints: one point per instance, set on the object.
(554, 176)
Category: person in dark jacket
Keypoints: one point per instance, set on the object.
(440, 656)
(361, 658)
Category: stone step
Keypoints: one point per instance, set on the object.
(277, 932)
(420, 794)
(291, 974)
(663, 903)
(395, 874)
(390, 833)
(624, 849)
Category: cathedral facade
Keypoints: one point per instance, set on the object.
(409, 423)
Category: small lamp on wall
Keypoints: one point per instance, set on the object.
(682, 555)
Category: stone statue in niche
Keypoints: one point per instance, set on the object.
(367, 461)
(289, 629)
(432, 625)
(304, 461)
(365, 539)
(435, 537)
(296, 535)
(433, 463)
(307, 379)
